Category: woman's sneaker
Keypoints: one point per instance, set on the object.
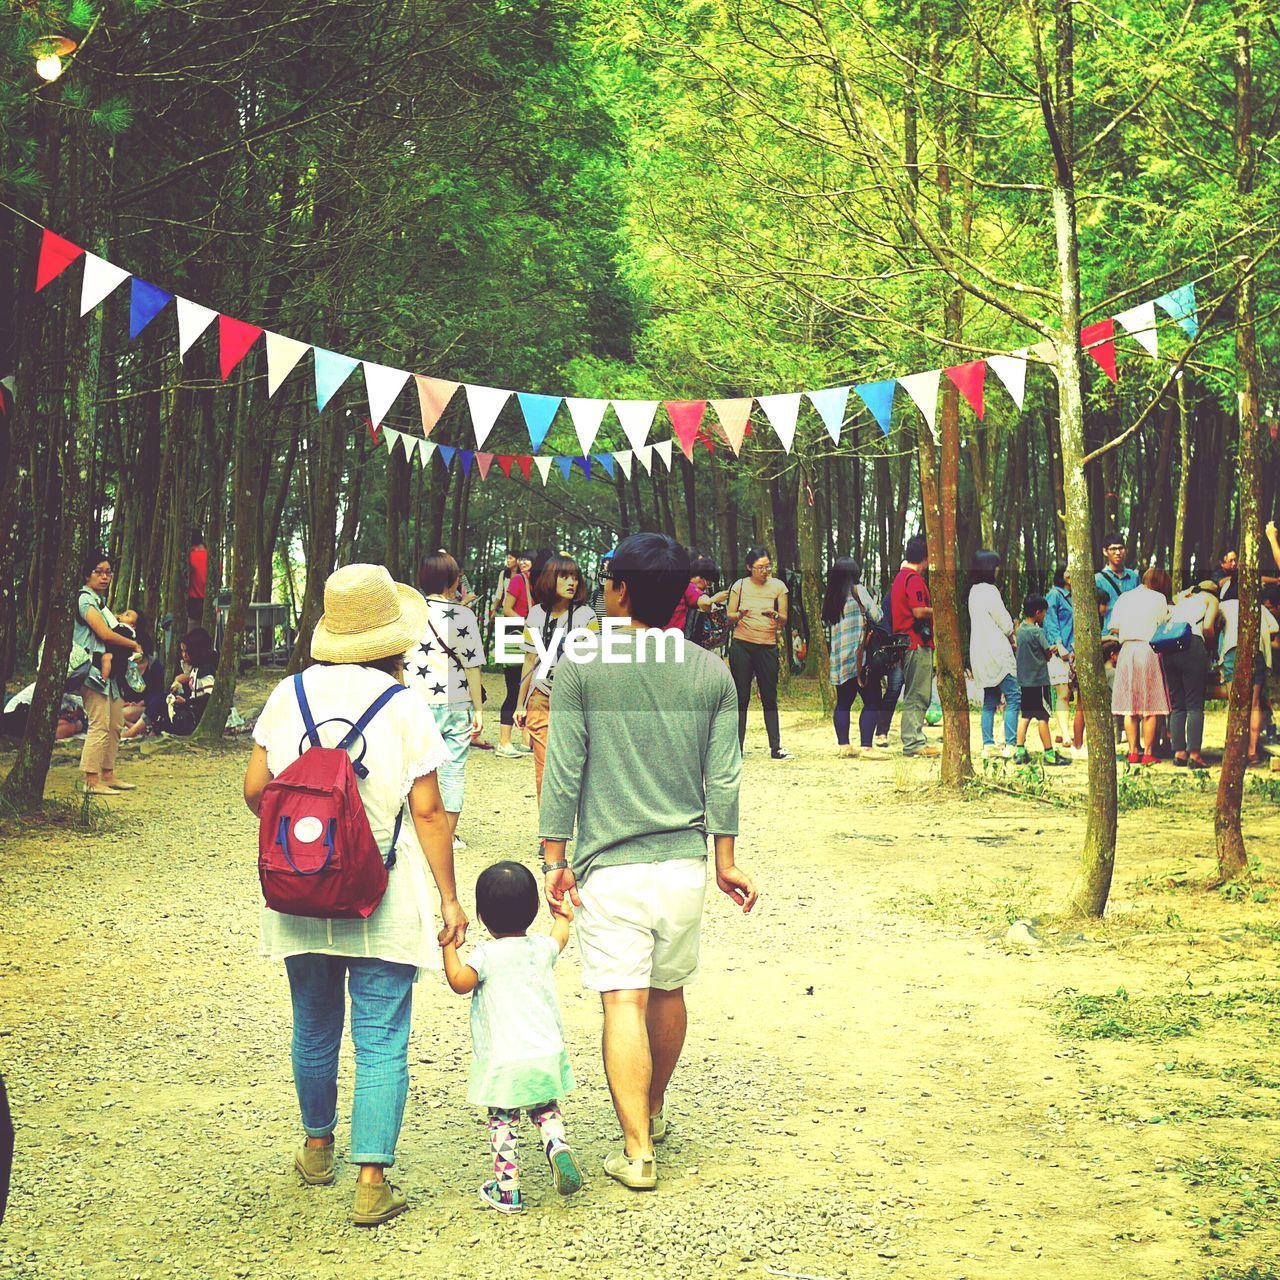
(566, 1172)
(881, 740)
(780, 754)
(508, 752)
(502, 1201)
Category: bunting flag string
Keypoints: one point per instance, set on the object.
(690, 424)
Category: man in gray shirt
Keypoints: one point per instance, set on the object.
(643, 757)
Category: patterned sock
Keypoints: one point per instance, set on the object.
(506, 1150)
(550, 1125)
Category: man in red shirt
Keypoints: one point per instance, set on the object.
(197, 576)
(911, 611)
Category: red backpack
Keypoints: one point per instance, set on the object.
(316, 851)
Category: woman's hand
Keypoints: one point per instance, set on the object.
(519, 717)
(455, 920)
(477, 722)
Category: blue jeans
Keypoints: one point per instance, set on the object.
(381, 998)
(892, 691)
(1012, 705)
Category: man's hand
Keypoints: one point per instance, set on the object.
(556, 885)
(455, 924)
(561, 909)
(739, 886)
(519, 717)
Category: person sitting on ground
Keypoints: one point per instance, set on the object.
(1140, 693)
(1033, 681)
(518, 1058)
(193, 685)
(71, 715)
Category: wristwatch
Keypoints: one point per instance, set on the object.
(548, 867)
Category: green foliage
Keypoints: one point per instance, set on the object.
(1265, 788)
(1123, 1017)
(1141, 787)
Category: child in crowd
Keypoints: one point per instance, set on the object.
(517, 1039)
(1033, 680)
(114, 658)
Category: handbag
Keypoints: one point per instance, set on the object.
(1172, 637)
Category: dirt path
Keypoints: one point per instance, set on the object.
(874, 1083)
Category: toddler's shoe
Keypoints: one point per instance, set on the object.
(315, 1164)
(566, 1172)
(639, 1175)
(502, 1201)
(95, 681)
(377, 1202)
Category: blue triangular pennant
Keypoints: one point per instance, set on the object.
(332, 370)
(878, 397)
(606, 461)
(446, 452)
(538, 413)
(830, 403)
(1180, 303)
(466, 457)
(585, 464)
(565, 465)
(146, 301)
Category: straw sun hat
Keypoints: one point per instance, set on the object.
(367, 616)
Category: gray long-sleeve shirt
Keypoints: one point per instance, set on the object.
(643, 757)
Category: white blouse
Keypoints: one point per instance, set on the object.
(1138, 614)
(991, 656)
(402, 745)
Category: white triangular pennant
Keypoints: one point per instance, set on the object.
(782, 410)
(544, 465)
(1012, 371)
(923, 390)
(485, 404)
(663, 449)
(644, 455)
(382, 385)
(1044, 352)
(193, 320)
(425, 449)
(587, 416)
(100, 278)
(283, 355)
(636, 417)
(1140, 324)
(391, 438)
(623, 458)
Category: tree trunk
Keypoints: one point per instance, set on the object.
(818, 659)
(1179, 568)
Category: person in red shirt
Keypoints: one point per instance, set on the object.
(705, 572)
(516, 602)
(197, 576)
(911, 612)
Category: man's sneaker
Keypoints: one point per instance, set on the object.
(566, 1172)
(521, 749)
(924, 753)
(780, 754)
(502, 1201)
(508, 752)
(639, 1175)
(990, 751)
(315, 1164)
(377, 1202)
(459, 844)
(658, 1126)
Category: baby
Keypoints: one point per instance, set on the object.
(115, 657)
(517, 1039)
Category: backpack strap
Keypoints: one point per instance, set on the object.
(308, 720)
(357, 729)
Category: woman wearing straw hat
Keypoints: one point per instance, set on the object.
(358, 646)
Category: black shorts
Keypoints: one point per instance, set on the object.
(1035, 702)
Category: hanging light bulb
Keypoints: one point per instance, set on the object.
(49, 52)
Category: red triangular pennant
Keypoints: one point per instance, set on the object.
(969, 379)
(1099, 343)
(525, 462)
(686, 418)
(504, 463)
(373, 431)
(235, 337)
(56, 255)
(484, 461)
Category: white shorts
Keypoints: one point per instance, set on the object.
(640, 925)
(1059, 672)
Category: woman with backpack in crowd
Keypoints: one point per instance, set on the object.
(850, 612)
(992, 653)
(369, 622)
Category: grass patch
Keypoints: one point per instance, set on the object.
(1138, 787)
(1123, 1017)
(984, 901)
(1263, 788)
(1251, 1199)
(82, 812)
(1027, 781)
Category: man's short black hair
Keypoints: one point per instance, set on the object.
(1114, 539)
(507, 898)
(917, 549)
(1033, 604)
(656, 571)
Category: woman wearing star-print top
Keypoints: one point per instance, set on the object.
(444, 668)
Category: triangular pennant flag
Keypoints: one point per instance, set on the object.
(382, 385)
(623, 458)
(1180, 303)
(707, 443)
(235, 337)
(446, 454)
(525, 462)
(831, 403)
(434, 395)
(969, 379)
(635, 418)
(606, 461)
(1099, 343)
(686, 418)
(539, 412)
(485, 404)
(391, 438)
(100, 278)
(332, 370)
(734, 416)
(408, 444)
(587, 416)
(565, 465)
(782, 411)
(544, 467)
(466, 457)
(56, 255)
(504, 463)
(878, 397)
(644, 454)
(373, 431)
(923, 390)
(585, 464)
(1045, 352)
(193, 320)
(425, 450)
(663, 449)
(146, 301)
(1140, 324)
(1012, 371)
(283, 355)
(484, 461)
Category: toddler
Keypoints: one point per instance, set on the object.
(1033, 680)
(115, 657)
(518, 1058)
